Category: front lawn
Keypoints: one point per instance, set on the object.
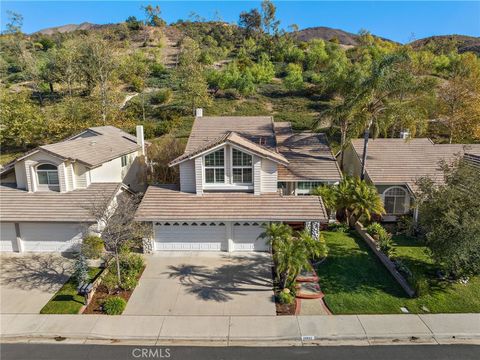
(67, 300)
(355, 282)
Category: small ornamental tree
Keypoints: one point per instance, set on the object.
(449, 218)
(80, 273)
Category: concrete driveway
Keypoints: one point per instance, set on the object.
(28, 281)
(204, 283)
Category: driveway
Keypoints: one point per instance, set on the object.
(28, 281)
(203, 283)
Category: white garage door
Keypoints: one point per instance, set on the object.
(8, 237)
(204, 236)
(50, 237)
(245, 237)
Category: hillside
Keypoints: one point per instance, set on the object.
(445, 43)
(68, 28)
(326, 33)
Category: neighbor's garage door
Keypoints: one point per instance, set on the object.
(49, 237)
(203, 236)
(245, 237)
(8, 237)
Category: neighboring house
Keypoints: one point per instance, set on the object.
(47, 193)
(394, 166)
(233, 177)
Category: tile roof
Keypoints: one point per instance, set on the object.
(208, 128)
(399, 161)
(308, 154)
(94, 146)
(235, 139)
(73, 206)
(166, 204)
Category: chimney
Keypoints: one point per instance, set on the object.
(404, 134)
(198, 112)
(140, 138)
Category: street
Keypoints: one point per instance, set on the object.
(121, 352)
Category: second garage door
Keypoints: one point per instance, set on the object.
(201, 236)
(246, 237)
(50, 237)
(8, 237)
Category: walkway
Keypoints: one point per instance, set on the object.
(248, 330)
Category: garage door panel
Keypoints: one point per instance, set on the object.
(8, 237)
(207, 237)
(245, 237)
(51, 237)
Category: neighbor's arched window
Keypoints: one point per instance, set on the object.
(47, 175)
(395, 200)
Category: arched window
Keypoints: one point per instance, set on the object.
(47, 175)
(395, 200)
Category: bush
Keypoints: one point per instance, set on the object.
(80, 273)
(110, 281)
(385, 243)
(132, 263)
(420, 285)
(162, 96)
(114, 305)
(285, 297)
(338, 227)
(375, 229)
(93, 247)
(157, 70)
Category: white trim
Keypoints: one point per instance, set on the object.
(406, 201)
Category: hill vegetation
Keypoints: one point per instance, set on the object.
(55, 83)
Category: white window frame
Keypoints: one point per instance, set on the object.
(124, 160)
(406, 199)
(299, 191)
(48, 185)
(205, 167)
(232, 167)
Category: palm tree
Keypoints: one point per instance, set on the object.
(328, 194)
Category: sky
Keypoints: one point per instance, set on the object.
(401, 21)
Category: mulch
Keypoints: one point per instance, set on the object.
(95, 305)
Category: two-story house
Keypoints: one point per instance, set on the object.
(236, 174)
(47, 194)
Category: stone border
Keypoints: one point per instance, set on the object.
(389, 265)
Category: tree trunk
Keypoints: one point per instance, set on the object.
(51, 88)
(117, 260)
(365, 147)
(342, 145)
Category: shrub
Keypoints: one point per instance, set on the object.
(132, 263)
(110, 280)
(114, 305)
(157, 70)
(375, 229)
(385, 243)
(338, 227)
(420, 285)
(92, 247)
(80, 273)
(162, 96)
(285, 297)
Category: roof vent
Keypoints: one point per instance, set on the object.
(405, 134)
(92, 143)
(199, 112)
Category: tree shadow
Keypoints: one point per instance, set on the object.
(35, 272)
(241, 276)
(58, 298)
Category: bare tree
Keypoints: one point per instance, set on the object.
(116, 223)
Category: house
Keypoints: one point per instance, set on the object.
(46, 194)
(394, 166)
(236, 174)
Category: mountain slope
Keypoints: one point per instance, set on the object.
(68, 28)
(326, 33)
(462, 42)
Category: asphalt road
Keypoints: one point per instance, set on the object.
(120, 352)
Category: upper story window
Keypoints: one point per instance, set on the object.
(47, 175)
(241, 167)
(215, 167)
(124, 160)
(395, 200)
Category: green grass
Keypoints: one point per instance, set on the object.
(355, 282)
(66, 300)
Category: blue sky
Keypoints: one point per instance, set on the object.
(397, 20)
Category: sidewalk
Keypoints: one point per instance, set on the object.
(243, 330)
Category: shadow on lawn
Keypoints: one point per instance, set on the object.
(349, 269)
(243, 274)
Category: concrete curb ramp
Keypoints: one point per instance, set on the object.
(243, 330)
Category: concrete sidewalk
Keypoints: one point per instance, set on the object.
(243, 330)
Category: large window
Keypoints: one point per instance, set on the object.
(241, 167)
(305, 187)
(395, 201)
(215, 167)
(47, 175)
